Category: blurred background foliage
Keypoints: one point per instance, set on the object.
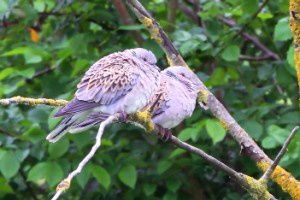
(47, 45)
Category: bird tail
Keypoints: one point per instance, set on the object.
(92, 120)
(61, 129)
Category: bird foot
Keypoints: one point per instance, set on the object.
(123, 117)
(164, 133)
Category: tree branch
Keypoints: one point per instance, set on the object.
(264, 3)
(295, 28)
(65, 184)
(32, 101)
(255, 188)
(252, 39)
(268, 54)
(282, 151)
(249, 147)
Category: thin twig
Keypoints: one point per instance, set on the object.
(65, 184)
(282, 151)
(251, 38)
(264, 3)
(231, 23)
(32, 101)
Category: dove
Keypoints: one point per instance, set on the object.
(122, 82)
(175, 98)
(173, 101)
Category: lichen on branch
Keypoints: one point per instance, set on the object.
(295, 28)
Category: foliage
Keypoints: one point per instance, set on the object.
(45, 47)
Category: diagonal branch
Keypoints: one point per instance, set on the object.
(65, 184)
(268, 54)
(257, 189)
(282, 151)
(249, 147)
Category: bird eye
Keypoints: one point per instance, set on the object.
(182, 74)
(145, 59)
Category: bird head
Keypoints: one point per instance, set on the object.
(144, 55)
(185, 76)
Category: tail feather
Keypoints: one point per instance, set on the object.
(93, 120)
(60, 130)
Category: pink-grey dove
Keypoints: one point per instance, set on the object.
(121, 82)
(173, 101)
(175, 98)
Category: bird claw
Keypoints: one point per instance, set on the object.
(165, 134)
(123, 117)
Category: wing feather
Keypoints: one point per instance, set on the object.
(109, 79)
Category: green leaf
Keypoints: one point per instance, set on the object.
(27, 73)
(215, 130)
(58, 148)
(173, 184)
(149, 189)
(50, 172)
(34, 134)
(6, 72)
(5, 187)
(254, 128)
(265, 16)
(163, 166)
(231, 53)
(291, 60)
(250, 6)
(39, 5)
(103, 176)
(176, 153)
(9, 164)
(269, 143)
(278, 133)
(128, 175)
(83, 177)
(186, 134)
(282, 30)
(170, 196)
(131, 27)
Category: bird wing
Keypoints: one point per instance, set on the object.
(109, 79)
(159, 102)
(75, 106)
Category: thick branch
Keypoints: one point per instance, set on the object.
(295, 28)
(249, 147)
(174, 58)
(255, 188)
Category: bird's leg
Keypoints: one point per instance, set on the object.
(165, 134)
(123, 116)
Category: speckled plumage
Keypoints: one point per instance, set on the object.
(175, 98)
(120, 82)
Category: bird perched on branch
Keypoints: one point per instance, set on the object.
(121, 82)
(175, 98)
(173, 101)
